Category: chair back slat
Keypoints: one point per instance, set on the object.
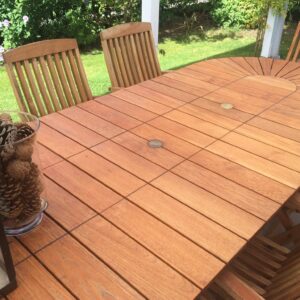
(47, 76)
(25, 88)
(82, 74)
(56, 82)
(294, 51)
(32, 84)
(49, 84)
(130, 54)
(127, 61)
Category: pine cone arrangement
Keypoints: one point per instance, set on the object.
(20, 185)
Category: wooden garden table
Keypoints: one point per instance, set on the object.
(129, 221)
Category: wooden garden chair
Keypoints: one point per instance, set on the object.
(130, 54)
(294, 51)
(47, 76)
(268, 267)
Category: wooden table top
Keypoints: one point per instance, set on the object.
(126, 221)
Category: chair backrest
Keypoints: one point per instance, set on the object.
(130, 54)
(47, 76)
(294, 51)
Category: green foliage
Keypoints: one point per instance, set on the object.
(247, 13)
(239, 13)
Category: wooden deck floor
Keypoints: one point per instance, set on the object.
(126, 221)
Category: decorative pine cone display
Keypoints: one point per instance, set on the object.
(20, 184)
(11, 204)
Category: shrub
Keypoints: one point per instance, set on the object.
(239, 13)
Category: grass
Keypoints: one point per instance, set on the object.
(175, 52)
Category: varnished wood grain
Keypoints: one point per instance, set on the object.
(192, 261)
(106, 172)
(228, 190)
(84, 187)
(37, 283)
(43, 235)
(188, 222)
(83, 273)
(65, 208)
(131, 260)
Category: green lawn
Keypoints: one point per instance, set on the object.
(174, 53)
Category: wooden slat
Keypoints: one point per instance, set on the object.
(129, 109)
(128, 160)
(191, 224)
(216, 108)
(106, 172)
(276, 128)
(120, 58)
(284, 115)
(155, 96)
(190, 135)
(181, 86)
(215, 208)
(255, 64)
(271, 153)
(270, 138)
(149, 54)
(210, 116)
(266, 65)
(46, 233)
(25, 89)
(34, 91)
(175, 93)
(18, 252)
(183, 255)
(294, 43)
(37, 284)
(73, 130)
(244, 64)
(131, 260)
(15, 86)
(63, 79)
(196, 123)
(256, 163)
(65, 208)
(141, 58)
(49, 83)
(83, 95)
(171, 142)
(241, 101)
(246, 199)
(127, 62)
(70, 78)
(110, 115)
(82, 74)
(92, 122)
(160, 156)
(68, 176)
(136, 58)
(45, 157)
(57, 85)
(243, 176)
(78, 272)
(142, 102)
(57, 142)
(40, 82)
(115, 63)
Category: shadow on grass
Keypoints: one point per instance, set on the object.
(242, 51)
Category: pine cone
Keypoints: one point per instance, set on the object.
(31, 191)
(23, 131)
(8, 133)
(11, 203)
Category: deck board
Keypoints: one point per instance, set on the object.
(126, 221)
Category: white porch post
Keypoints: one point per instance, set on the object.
(273, 35)
(150, 13)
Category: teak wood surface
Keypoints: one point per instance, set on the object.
(126, 221)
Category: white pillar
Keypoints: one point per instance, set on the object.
(150, 13)
(273, 35)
